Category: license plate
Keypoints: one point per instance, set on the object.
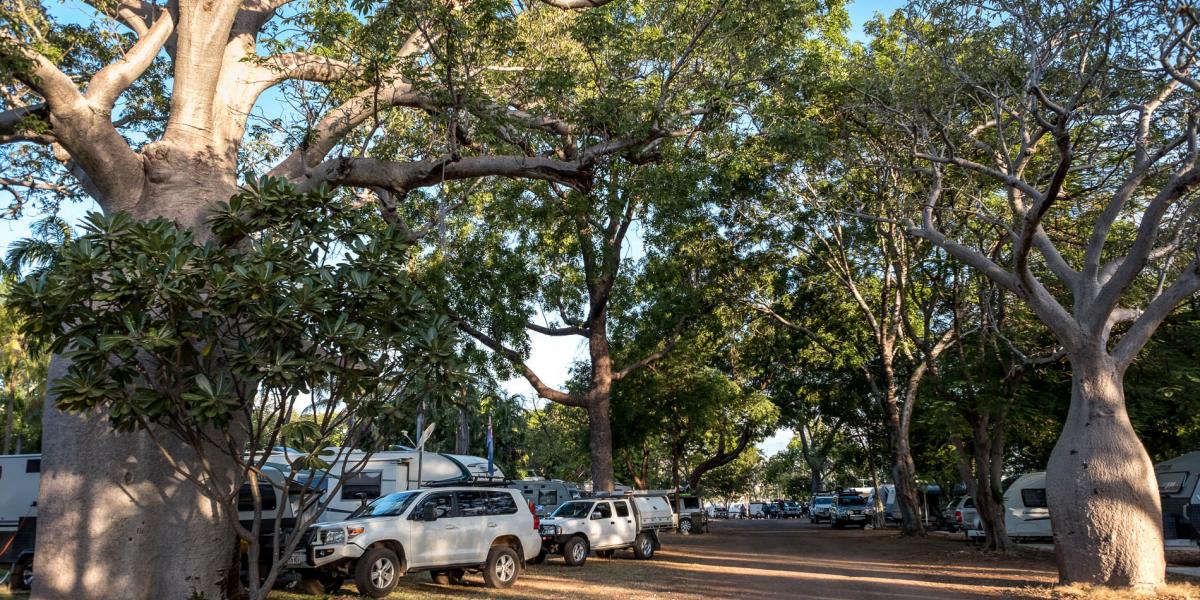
(297, 558)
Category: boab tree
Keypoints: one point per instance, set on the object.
(1078, 124)
(153, 110)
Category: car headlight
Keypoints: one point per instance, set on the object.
(333, 536)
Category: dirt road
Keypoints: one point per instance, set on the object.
(756, 560)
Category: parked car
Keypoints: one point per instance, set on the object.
(962, 516)
(448, 532)
(849, 509)
(757, 510)
(735, 511)
(19, 478)
(821, 509)
(790, 510)
(692, 517)
(605, 525)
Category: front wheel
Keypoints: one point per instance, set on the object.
(575, 551)
(502, 568)
(685, 526)
(377, 572)
(643, 546)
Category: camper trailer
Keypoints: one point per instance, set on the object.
(1026, 513)
(1177, 488)
(383, 473)
(19, 477)
(546, 494)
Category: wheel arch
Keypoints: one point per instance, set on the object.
(396, 547)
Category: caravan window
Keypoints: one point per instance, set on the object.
(1171, 483)
(33, 465)
(1034, 497)
(547, 497)
(266, 494)
(366, 484)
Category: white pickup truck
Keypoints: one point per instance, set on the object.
(606, 524)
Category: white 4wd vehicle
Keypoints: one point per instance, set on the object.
(606, 525)
(446, 531)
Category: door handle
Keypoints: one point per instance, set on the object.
(612, 522)
(492, 525)
(452, 527)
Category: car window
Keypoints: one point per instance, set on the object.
(501, 503)
(605, 510)
(471, 504)
(691, 503)
(1034, 497)
(968, 503)
(573, 510)
(622, 508)
(266, 495)
(391, 505)
(547, 497)
(442, 500)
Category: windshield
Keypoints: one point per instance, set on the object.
(573, 510)
(822, 501)
(391, 505)
(852, 501)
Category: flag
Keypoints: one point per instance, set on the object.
(491, 448)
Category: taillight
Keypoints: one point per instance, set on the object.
(537, 523)
(958, 516)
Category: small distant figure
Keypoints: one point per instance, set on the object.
(745, 511)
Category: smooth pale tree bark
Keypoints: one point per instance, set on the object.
(116, 514)
(1104, 503)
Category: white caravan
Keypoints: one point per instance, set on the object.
(1180, 495)
(383, 473)
(1026, 513)
(545, 494)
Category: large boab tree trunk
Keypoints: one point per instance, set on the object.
(115, 520)
(1100, 484)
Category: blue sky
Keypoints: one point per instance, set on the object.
(551, 357)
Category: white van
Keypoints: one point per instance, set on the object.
(1026, 513)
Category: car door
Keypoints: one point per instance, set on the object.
(433, 543)
(600, 525)
(474, 533)
(625, 527)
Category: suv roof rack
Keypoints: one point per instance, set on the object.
(473, 481)
(626, 493)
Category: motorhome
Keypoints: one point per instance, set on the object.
(546, 494)
(1026, 513)
(1180, 496)
(19, 477)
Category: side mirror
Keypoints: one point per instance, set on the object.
(429, 512)
(597, 515)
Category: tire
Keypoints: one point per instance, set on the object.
(575, 551)
(835, 524)
(450, 577)
(643, 546)
(22, 575)
(604, 553)
(377, 572)
(503, 567)
(537, 560)
(685, 526)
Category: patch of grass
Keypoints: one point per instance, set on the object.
(1171, 591)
